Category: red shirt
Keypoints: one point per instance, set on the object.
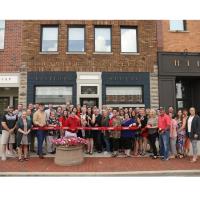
(164, 121)
(73, 123)
(63, 121)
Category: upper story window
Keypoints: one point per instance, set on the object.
(102, 39)
(2, 33)
(76, 39)
(177, 25)
(49, 39)
(128, 40)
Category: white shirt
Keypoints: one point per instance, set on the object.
(190, 123)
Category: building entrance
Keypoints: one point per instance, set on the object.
(188, 92)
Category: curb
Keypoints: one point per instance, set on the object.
(110, 174)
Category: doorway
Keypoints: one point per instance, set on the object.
(187, 93)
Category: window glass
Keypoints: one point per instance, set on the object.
(49, 38)
(76, 39)
(102, 39)
(128, 40)
(60, 94)
(2, 33)
(124, 95)
(177, 25)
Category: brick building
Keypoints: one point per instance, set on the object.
(179, 63)
(10, 62)
(90, 62)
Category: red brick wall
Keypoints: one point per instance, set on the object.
(144, 61)
(10, 56)
(179, 41)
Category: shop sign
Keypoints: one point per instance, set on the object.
(8, 79)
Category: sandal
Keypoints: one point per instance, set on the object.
(20, 160)
(26, 159)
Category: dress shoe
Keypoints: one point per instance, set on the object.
(41, 157)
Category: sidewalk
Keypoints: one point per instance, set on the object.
(101, 166)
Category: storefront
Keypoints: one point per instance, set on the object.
(9, 84)
(57, 88)
(126, 89)
(179, 79)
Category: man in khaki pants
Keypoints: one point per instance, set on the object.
(8, 131)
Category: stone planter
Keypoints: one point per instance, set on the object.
(68, 156)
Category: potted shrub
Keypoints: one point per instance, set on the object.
(69, 151)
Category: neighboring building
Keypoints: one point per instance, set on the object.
(179, 63)
(90, 62)
(10, 62)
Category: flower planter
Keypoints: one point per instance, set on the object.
(68, 156)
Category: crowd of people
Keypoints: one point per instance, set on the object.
(163, 134)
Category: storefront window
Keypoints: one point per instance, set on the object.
(53, 94)
(76, 39)
(2, 33)
(128, 40)
(102, 39)
(124, 95)
(49, 39)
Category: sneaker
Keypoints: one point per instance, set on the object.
(53, 152)
(165, 159)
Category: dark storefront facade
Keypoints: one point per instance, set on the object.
(51, 87)
(126, 89)
(109, 88)
(179, 79)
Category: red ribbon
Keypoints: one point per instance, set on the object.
(117, 128)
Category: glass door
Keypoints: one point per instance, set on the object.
(4, 103)
(183, 93)
(15, 102)
(90, 102)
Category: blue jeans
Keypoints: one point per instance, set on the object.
(107, 143)
(164, 144)
(40, 139)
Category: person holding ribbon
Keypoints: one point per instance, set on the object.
(72, 123)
